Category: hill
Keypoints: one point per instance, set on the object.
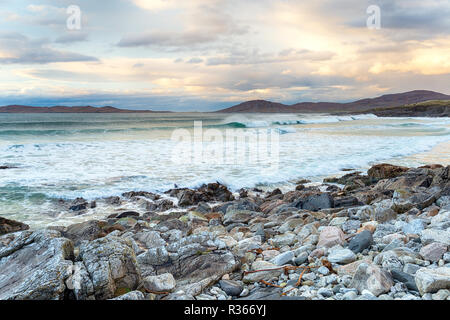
(390, 100)
(63, 109)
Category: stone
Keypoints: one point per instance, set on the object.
(432, 280)
(441, 295)
(286, 239)
(154, 256)
(414, 227)
(428, 236)
(111, 264)
(386, 171)
(301, 258)
(150, 239)
(324, 292)
(361, 241)
(9, 226)
(231, 288)
(314, 202)
(264, 294)
(238, 216)
(160, 283)
(283, 258)
(331, 236)
(372, 278)
(323, 270)
(405, 278)
(133, 295)
(272, 271)
(342, 256)
(434, 251)
(35, 266)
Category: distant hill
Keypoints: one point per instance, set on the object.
(434, 108)
(390, 100)
(62, 109)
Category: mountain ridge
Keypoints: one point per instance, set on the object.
(388, 100)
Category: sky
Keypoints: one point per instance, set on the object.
(202, 55)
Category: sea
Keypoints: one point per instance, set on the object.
(66, 156)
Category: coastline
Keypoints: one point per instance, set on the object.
(389, 225)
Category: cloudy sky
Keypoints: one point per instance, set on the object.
(207, 54)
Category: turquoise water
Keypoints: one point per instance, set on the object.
(64, 156)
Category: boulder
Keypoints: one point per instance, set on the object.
(8, 226)
(361, 241)
(89, 230)
(160, 283)
(314, 202)
(372, 278)
(432, 280)
(331, 236)
(386, 171)
(35, 266)
(434, 251)
(112, 266)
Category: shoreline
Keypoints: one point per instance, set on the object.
(376, 236)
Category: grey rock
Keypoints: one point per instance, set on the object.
(361, 241)
(111, 264)
(343, 256)
(370, 277)
(428, 236)
(133, 295)
(432, 280)
(434, 251)
(160, 283)
(154, 256)
(283, 258)
(231, 288)
(405, 278)
(35, 266)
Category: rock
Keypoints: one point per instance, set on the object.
(370, 277)
(434, 251)
(150, 239)
(238, 216)
(35, 266)
(301, 258)
(324, 292)
(414, 227)
(386, 171)
(231, 288)
(89, 230)
(128, 214)
(9, 226)
(286, 239)
(264, 294)
(133, 295)
(160, 283)
(314, 202)
(331, 236)
(154, 256)
(441, 295)
(432, 280)
(111, 264)
(272, 271)
(405, 278)
(361, 241)
(78, 204)
(428, 236)
(342, 256)
(283, 258)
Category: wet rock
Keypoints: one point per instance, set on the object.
(386, 171)
(432, 280)
(370, 277)
(78, 204)
(314, 202)
(111, 264)
(35, 266)
(113, 201)
(361, 241)
(9, 226)
(434, 251)
(331, 236)
(128, 214)
(160, 283)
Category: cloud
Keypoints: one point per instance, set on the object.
(16, 48)
(72, 37)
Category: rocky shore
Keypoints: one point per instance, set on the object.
(383, 235)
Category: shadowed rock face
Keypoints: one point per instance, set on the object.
(8, 226)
